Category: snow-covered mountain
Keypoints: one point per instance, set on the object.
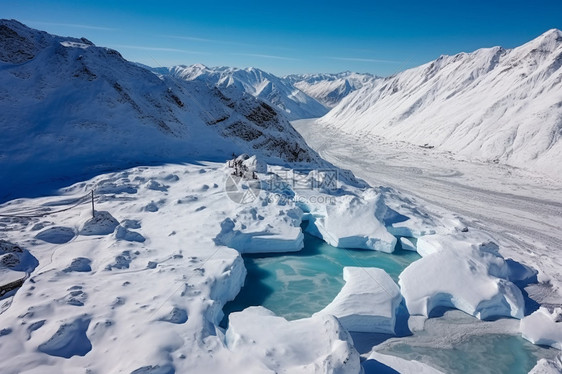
(139, 283)
(294, 103)
(330, 89)
(493, 104)
(69, 108)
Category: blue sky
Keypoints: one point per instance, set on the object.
(380, 37)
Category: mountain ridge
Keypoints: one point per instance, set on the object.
(493, 104)
(68, 108)
(328, 88)
(292, 102)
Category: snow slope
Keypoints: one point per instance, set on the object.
(277, 92)
(69, 108)
(493, 104)
(140, 287)
(330, 89)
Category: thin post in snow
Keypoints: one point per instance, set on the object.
(93, 211)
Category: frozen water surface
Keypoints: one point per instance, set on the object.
(489, 353)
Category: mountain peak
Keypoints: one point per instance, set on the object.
(548, 40)
(553, 32)
(198, 66)
(18, 43)
(279, 93)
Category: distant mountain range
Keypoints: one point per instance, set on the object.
(68, 107)
(330, 89)
(495, 104)
(297, 96)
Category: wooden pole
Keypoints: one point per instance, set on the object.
(93, 211)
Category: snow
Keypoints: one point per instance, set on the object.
(330, 89)
(106, 304)
(140, 286)
(109, 303)
(92, 112)
(16, 264)
(367, 302)
(311, 345)
(279, 93)
(543, 327)
(428, 283)
(408, 244)
(493, 104)
(274, 229)
(102, 223)
(330, 221)
(518, 208)
(548, 366)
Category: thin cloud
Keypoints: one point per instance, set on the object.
(74, 25)
(205, 40)
(358, 59)
(193, 38)
(158, 49)
(273, 57)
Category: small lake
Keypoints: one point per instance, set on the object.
(298, 284)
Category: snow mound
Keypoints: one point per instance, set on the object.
(262, 225)
(102, 223)
(69, 340)
(13, 257)
(121, 233)
(312, 345)
(545, 366)
(367, 301)
(430, 244)
(79, 264)
(56, 235)
(352, 221)
(474, 280)
(252, 233)
(543, 327)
